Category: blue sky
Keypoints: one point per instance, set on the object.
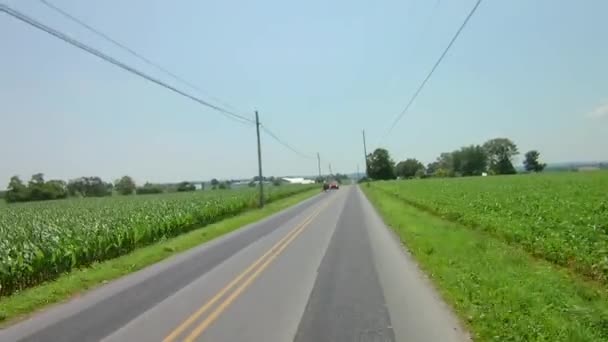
(318, 72)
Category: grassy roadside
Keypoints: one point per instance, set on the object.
(20, 304)
(502, 292)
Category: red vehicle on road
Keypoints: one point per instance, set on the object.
(331, 186)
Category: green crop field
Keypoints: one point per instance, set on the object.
(560, 217)
(519, 258)
(40, 240)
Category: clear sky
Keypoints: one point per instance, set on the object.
(318, 71)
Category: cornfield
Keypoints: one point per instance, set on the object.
(41, 240)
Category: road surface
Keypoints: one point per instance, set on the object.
(324, 270)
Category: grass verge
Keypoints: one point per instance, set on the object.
(499, 290)
(20, 304)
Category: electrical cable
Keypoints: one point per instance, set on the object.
(280, 141)
(411, 101)
(131, 51)
(18, 15)
(33, 22)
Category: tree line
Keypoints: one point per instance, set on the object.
(494, 157)
(38, 189)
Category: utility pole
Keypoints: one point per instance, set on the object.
(365, 153)
(257, 130)
(358, 172)
(330, 171)
(319, 163)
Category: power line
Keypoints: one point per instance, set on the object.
(282, 142)
(33, 22)
(91, 50)
(130, 50)
(409, 104)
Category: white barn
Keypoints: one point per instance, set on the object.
(298, 180)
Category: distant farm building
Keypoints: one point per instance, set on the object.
(298, 180)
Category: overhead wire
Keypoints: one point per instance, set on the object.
(148, 61)
(62, 36)
(428, 76)
(285, 144)
(33, 22)
(122, 46)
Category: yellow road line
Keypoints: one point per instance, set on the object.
(194, 316)
(205, 307)
(222, 307)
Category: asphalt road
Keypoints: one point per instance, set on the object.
(324, 270)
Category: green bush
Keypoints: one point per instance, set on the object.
(149, 189)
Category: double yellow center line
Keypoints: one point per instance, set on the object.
(244, 279)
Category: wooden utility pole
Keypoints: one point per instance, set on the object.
(261, 178)
(319, 163)
(365, 154)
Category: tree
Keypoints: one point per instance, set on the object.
(380, 165)
(504, 167)
(531, 162)
(36, 190)
(408, 168)
(224, 185)
(473, 160)
(214, 183)
(125, 185)
(39, 190)
(16, 190)
(76, 187)
(185, 186)
(445, 165)
(35, 187)
(55, 189)
(431, 168)
(37, 179)
(89, 187)
(467, 161)
(149, 188)
(252, 184)
(500, 152)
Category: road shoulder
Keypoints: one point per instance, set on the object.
(417, 311)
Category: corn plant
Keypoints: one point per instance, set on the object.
(41, 240)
